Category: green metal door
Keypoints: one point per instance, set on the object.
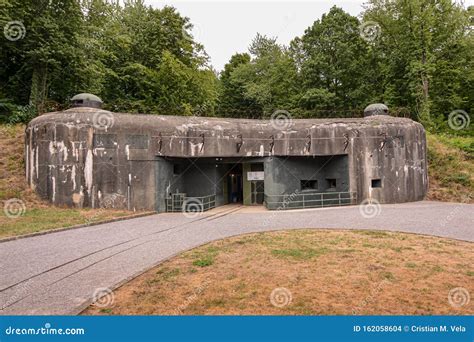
(257, 192)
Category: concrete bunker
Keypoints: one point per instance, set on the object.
(88, 157)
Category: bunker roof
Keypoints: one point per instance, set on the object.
(88, 115)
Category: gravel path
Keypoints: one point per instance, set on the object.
(59, 273)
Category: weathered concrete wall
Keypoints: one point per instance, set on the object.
(398, 159)
(74, 159)
(284, 175)
(165, 183)
(221, 190)
(246, 185)
(72, 163)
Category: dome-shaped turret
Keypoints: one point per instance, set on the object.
(376, 109)
(86, 100)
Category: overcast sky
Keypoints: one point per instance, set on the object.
(225, 27)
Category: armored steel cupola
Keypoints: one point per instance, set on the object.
(86, 100)
(376, 109)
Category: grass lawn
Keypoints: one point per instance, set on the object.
(305, 272)
(40, 219)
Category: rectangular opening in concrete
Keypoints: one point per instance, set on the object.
(306, 182)
(218, 181)
(311, 184)
(331, 184)
(276, 182)
(176, 169)
(233, 176)
(376, 183)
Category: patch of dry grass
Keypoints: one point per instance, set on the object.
(327, 272)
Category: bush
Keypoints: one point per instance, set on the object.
(14, 114)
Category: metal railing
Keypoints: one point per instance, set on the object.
(179, 202)
(302, 200)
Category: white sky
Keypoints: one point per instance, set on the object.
(225, 27)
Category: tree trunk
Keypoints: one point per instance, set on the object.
(38, 92)
(425, 100)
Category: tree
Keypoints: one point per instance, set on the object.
(265, 83)
(45, 55)
(334, 63)
(232, 100)
(137, 58)
(150, 63)
(426, 53)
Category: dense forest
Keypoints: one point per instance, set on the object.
(416, 56)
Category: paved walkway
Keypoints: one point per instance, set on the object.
(58, 273)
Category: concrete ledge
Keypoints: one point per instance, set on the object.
(55, 230)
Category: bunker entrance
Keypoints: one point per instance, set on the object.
(276, 182)
(208, 182)
(234, 184)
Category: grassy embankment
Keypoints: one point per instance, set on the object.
(38, 215)
(451, 168)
